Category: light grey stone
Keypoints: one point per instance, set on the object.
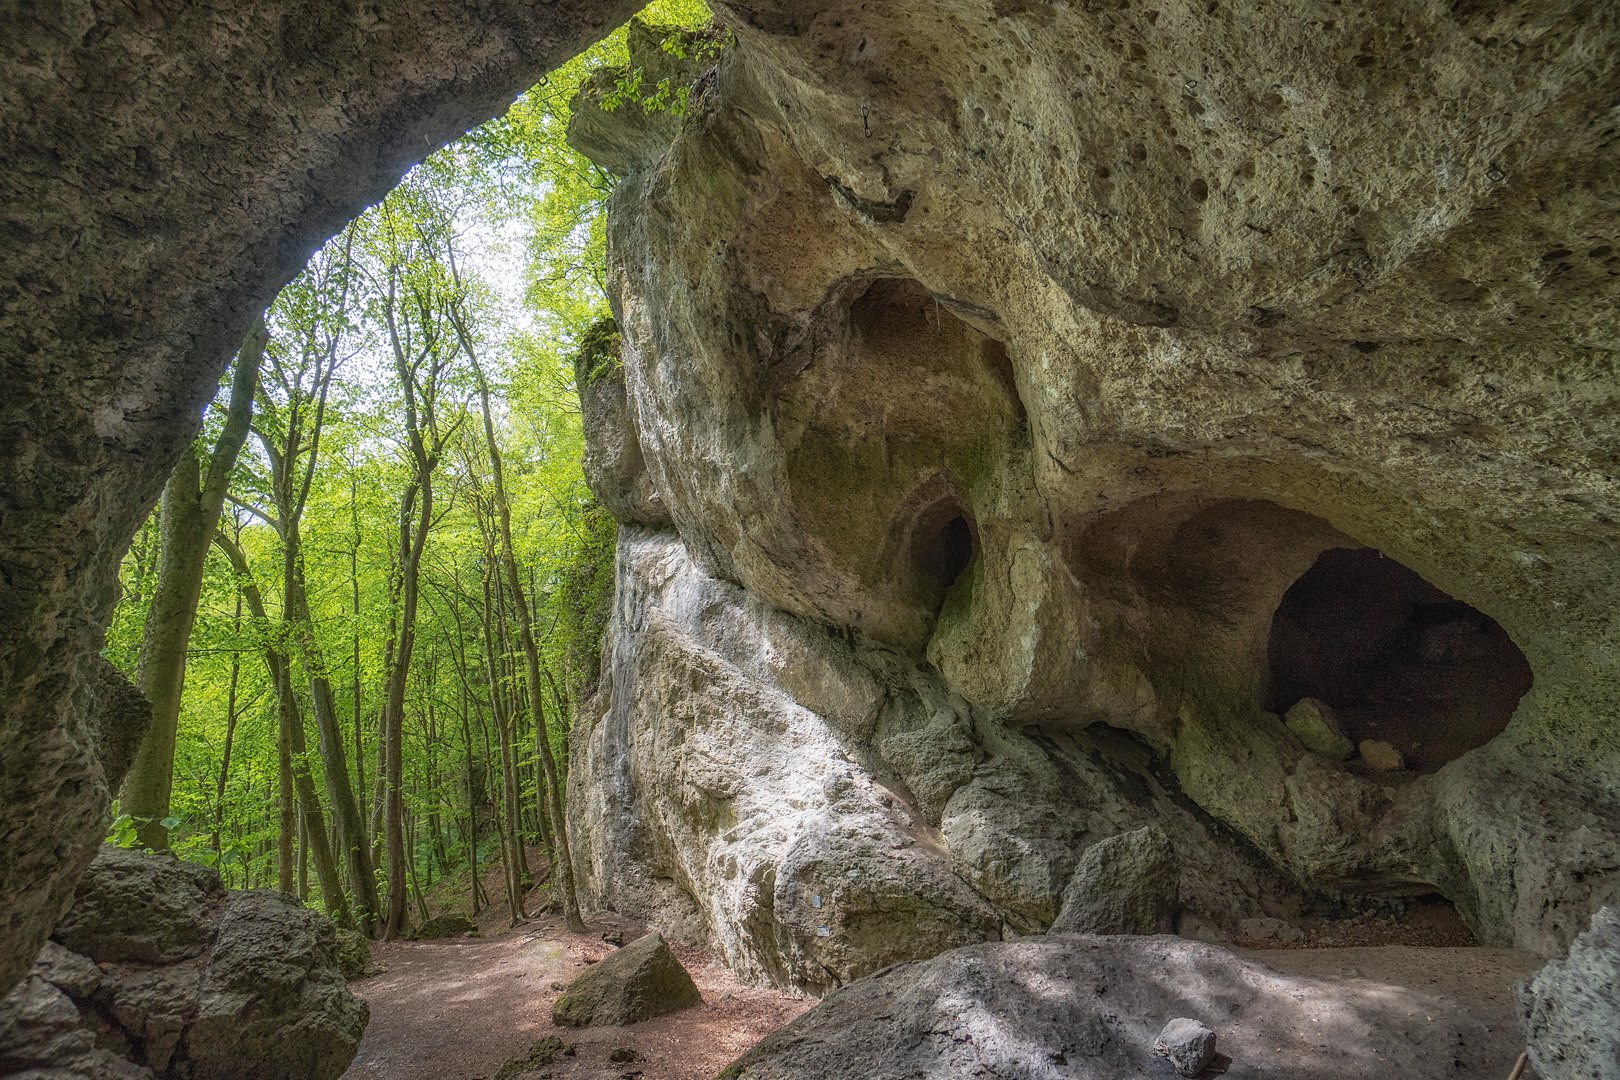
(1089, 1008)
(1187, 1044)
(828, 383)
(1381, 756)
(1314, 724)
(1570, 1009)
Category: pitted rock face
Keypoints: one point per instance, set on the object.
(133, 905)
(184, 979)
(1053, 359)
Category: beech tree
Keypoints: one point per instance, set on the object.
(187, 513)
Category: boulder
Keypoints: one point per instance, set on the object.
(1093, 1008)
(142, 906)
(353, 954)
(1314, 724)
(540, 1054)
(443, 925)
(638, 982)
(1570, 1009)
(43, 1038)
(273, 1004)
(1126, 884)
(263, 999)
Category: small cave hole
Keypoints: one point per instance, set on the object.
(1398, 660)
(942, 550)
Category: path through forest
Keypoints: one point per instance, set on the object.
(458, 1009)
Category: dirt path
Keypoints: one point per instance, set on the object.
(458, 1009)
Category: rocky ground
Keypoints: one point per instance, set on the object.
(458, 1009)
(1089, 1008)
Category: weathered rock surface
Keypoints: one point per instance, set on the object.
(635, 983)
(735, 781)
(443, 925)
(135, 905)
(144, 235)
(1126, 884)
(614, 467)
(1186, 1044)
(1047, 398)
(1570, 1009)
(353, 951)
(252, 988)
(1091, 1008)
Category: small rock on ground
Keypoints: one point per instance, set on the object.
(1187, 1044)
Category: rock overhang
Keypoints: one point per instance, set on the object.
(1285, 358)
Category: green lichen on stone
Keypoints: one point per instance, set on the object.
(587, 595)
(542, 1053)
(598, 356)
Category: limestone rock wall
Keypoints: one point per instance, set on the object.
(1041, 354)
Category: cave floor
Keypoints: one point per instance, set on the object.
(459, 1008)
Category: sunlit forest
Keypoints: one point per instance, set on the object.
(405, 587)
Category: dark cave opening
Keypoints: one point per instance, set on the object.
(943, 543)
(1397, 660)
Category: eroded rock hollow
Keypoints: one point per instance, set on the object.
(1183, 428)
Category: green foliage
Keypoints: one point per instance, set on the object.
(505, 228)
(599, 355)
(587, 597)
(702, 45)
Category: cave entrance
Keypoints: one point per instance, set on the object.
(1398, 660)
(942, 547)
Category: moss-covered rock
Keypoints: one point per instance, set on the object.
(638, 982)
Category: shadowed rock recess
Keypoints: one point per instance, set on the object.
(166, 168)
(1046, 400)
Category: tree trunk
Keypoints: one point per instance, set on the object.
(564, 870)
(287, 719)
(230, 738)
(292, 731)
(510, 841)
(191, 508)
(346, 810)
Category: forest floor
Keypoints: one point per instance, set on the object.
(460, 1008)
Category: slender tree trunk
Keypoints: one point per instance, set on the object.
(510, 841)
(292, 736)
(350, 824)
(190, 511)
(230, 738)
(286, 717)
(303, 860)
(354, 588)
(564, 869)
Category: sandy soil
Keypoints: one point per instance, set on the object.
(458, 1009)
(1468, 989)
